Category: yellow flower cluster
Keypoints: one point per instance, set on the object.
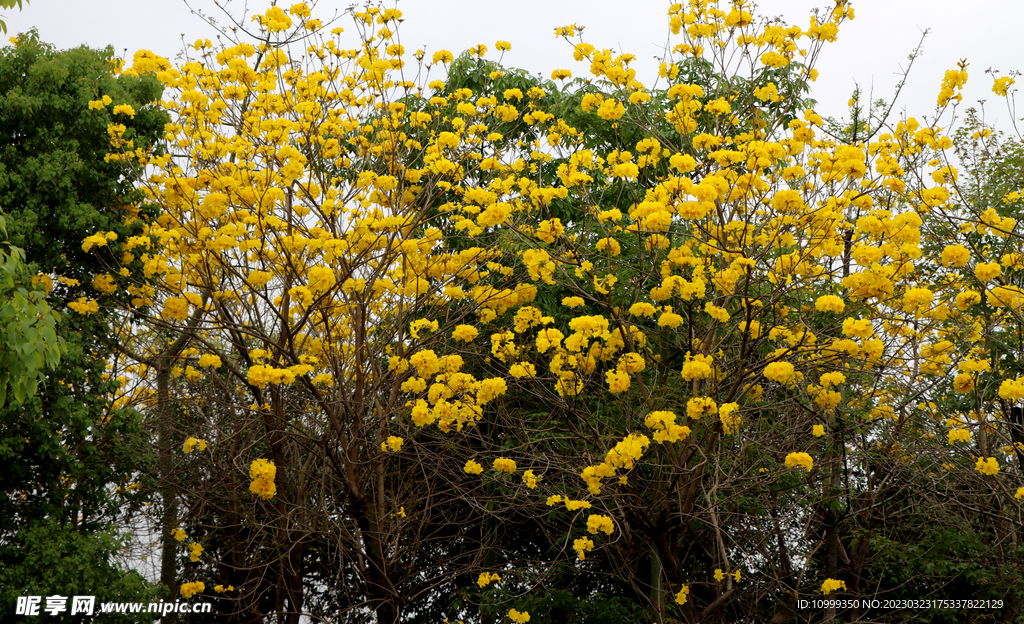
(191, 589)
(799, 460)
(530, 479)
(582, 546)
(263, 473)
(831, 585)
(728, 414)
(665, 427)
(952, 83)
(697, 367)
(260, 375)
(682, 595)
(959, 435)
(1001, 85)
(987, 466)
(209, 360)
(782, 372)
(519, 616)
(192, 444)
(84, 305)
(1012, 389)
(829, 303)
(504, 464)
(599, 522)
(392, 444)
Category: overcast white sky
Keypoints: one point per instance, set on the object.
(871, 49)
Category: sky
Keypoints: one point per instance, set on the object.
(871, 50)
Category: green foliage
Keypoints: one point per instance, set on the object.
(67, 454)
(28, 342)
(47, 558)
(9, 4)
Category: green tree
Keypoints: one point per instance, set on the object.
(69, 456)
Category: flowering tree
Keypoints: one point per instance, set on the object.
(691, 339)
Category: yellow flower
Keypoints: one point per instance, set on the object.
(858, 328)
(729, 418)
(274, 20)
(958, 435)
(599, 522)
(781, 372)
(683, 593)
(1004, 296)
(585, 545)
(300, 10)
(393, 444)
(610, 110)
(104, 283)
(831, 379)
(189, 445)
(1012, 389)
(175, 308)
(799, 460)
(530, 479)
(519, 616)
(263, 488)
(195, 551)
(209, 360)
(178, 534)
(964, 382)
(263, 469)
(829, 303)
(473, 467)
(697, 367)
(954, 256)
(988, 466)
(191, 589)
(465, 333)
(831, 585)
(698, 406)
(486, 578)
(987, 270)
(84, 305)
(321, 279)
(1000, 86)
(717, 313)
(818, 430)
(504, 464)
(618, 381)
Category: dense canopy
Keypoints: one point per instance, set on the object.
(423, 336)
